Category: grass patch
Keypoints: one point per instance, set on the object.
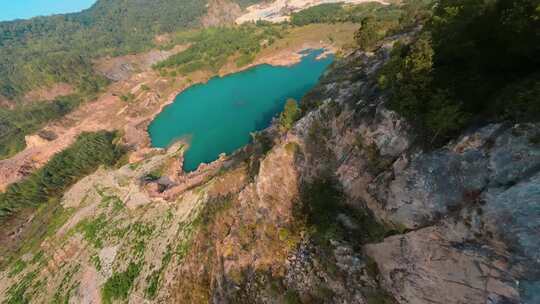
(92, 230)
(96, 262)
(17, 268)
(108, 200)
(16, 294)
(119, 284)
(61, 297)
(38, 258)
(128, 98)
(156, 173)
(153, 279)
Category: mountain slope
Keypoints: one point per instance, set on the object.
(344, 208)
(44, 50)
(372, 196)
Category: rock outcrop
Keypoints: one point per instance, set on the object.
(466, 214)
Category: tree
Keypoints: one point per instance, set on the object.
(290, 114)
(367, 36)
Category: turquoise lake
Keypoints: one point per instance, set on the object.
(218, 116)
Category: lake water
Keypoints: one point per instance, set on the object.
(24, 9)
(217, 117)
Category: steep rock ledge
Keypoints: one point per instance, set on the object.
(468, 212)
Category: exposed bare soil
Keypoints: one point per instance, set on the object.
(49, 93)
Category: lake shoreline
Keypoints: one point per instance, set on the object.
(109, 112)
(160, 128)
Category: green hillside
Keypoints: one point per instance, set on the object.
(45, 50)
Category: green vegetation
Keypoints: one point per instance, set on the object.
(290, 114)
(142, 233)
(210, 48)
(368, 35)
(391, 20)
(292, 147)
(16, 123)
(379, 296)
(88, 152)
(200, 224)
(246, 3)
(108, 200)
(47, 219)
(92, 230)
(16, 293)
(96, 262)
(16, 268)
(119, 284)
(376, 20)
(338, 12)
(127, 97)
(67, 286)
(45, 50)
(153, 279)
(292, 297)
(474, 61)
(405, 15)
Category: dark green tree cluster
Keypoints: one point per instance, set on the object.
(368, 35)
(474, 61)
(338, 12)
(212, 47)
(408, 13)
(324, 13)
(88, 152)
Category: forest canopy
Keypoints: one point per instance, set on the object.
(44, 50)
(84, 156)
(210, 48)
(475, 61)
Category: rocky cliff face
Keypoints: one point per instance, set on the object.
(343, 208)
(465, 215)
